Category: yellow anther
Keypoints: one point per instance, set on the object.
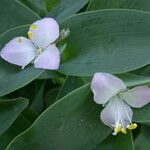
(20, 39)
(118, 128)
(132, 126)
(39, 50)
(123, 130)
(34, 27)
(30, 35)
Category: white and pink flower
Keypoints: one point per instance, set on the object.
(111, 92)
(40, 48)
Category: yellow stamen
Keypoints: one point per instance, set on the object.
(118, 128)
(39, 51)
(20, 39)
(123, 130)
(132, 126)
(34, 27)
(30, 35)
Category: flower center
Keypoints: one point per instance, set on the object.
(120, 125)
(39, 51)
(119, 128)
(123, 121)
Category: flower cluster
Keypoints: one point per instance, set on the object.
(111, 92)
(39, 47)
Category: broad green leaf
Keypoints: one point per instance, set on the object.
(20, 125)
(10, 110)
(13, 77)
(37, 103)
(145, 71)
(30, 115)
(48, 74)
(114, 41)
(41, 7)
(142, 142)
(87, 79)
(13, 13)
(142, 115)
(129, 4)
(132, 80)
(71, 83)
(58, 9)
(50, 96)
(119, 142)
(51, 4)
(66, 8)
(72, 123)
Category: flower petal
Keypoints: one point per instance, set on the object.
(116, 112)
(137, 97)
(49, 59)
(19, 51)
(44, 32)
(105, 86)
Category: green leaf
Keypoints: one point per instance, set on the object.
(13, 13)
(145, 71)
(141, 115)
(17, 127)
(38, 6)
(41, 7)
(119, 142)
(50, 96)
(142, 141)
(72, 123)
(129, 4)
(58, 9)
(30, 115)
(13, 77)
(71, 83)
(51, 4)
(48, 74)
(37, 103)
(114, 41)
(10, 110)
(66, 8)
(132, 80)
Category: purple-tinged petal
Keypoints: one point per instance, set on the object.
(137, 97)
(19, 51)
(49, 59)
(116, 112)
(105, 86)
(44, 32)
